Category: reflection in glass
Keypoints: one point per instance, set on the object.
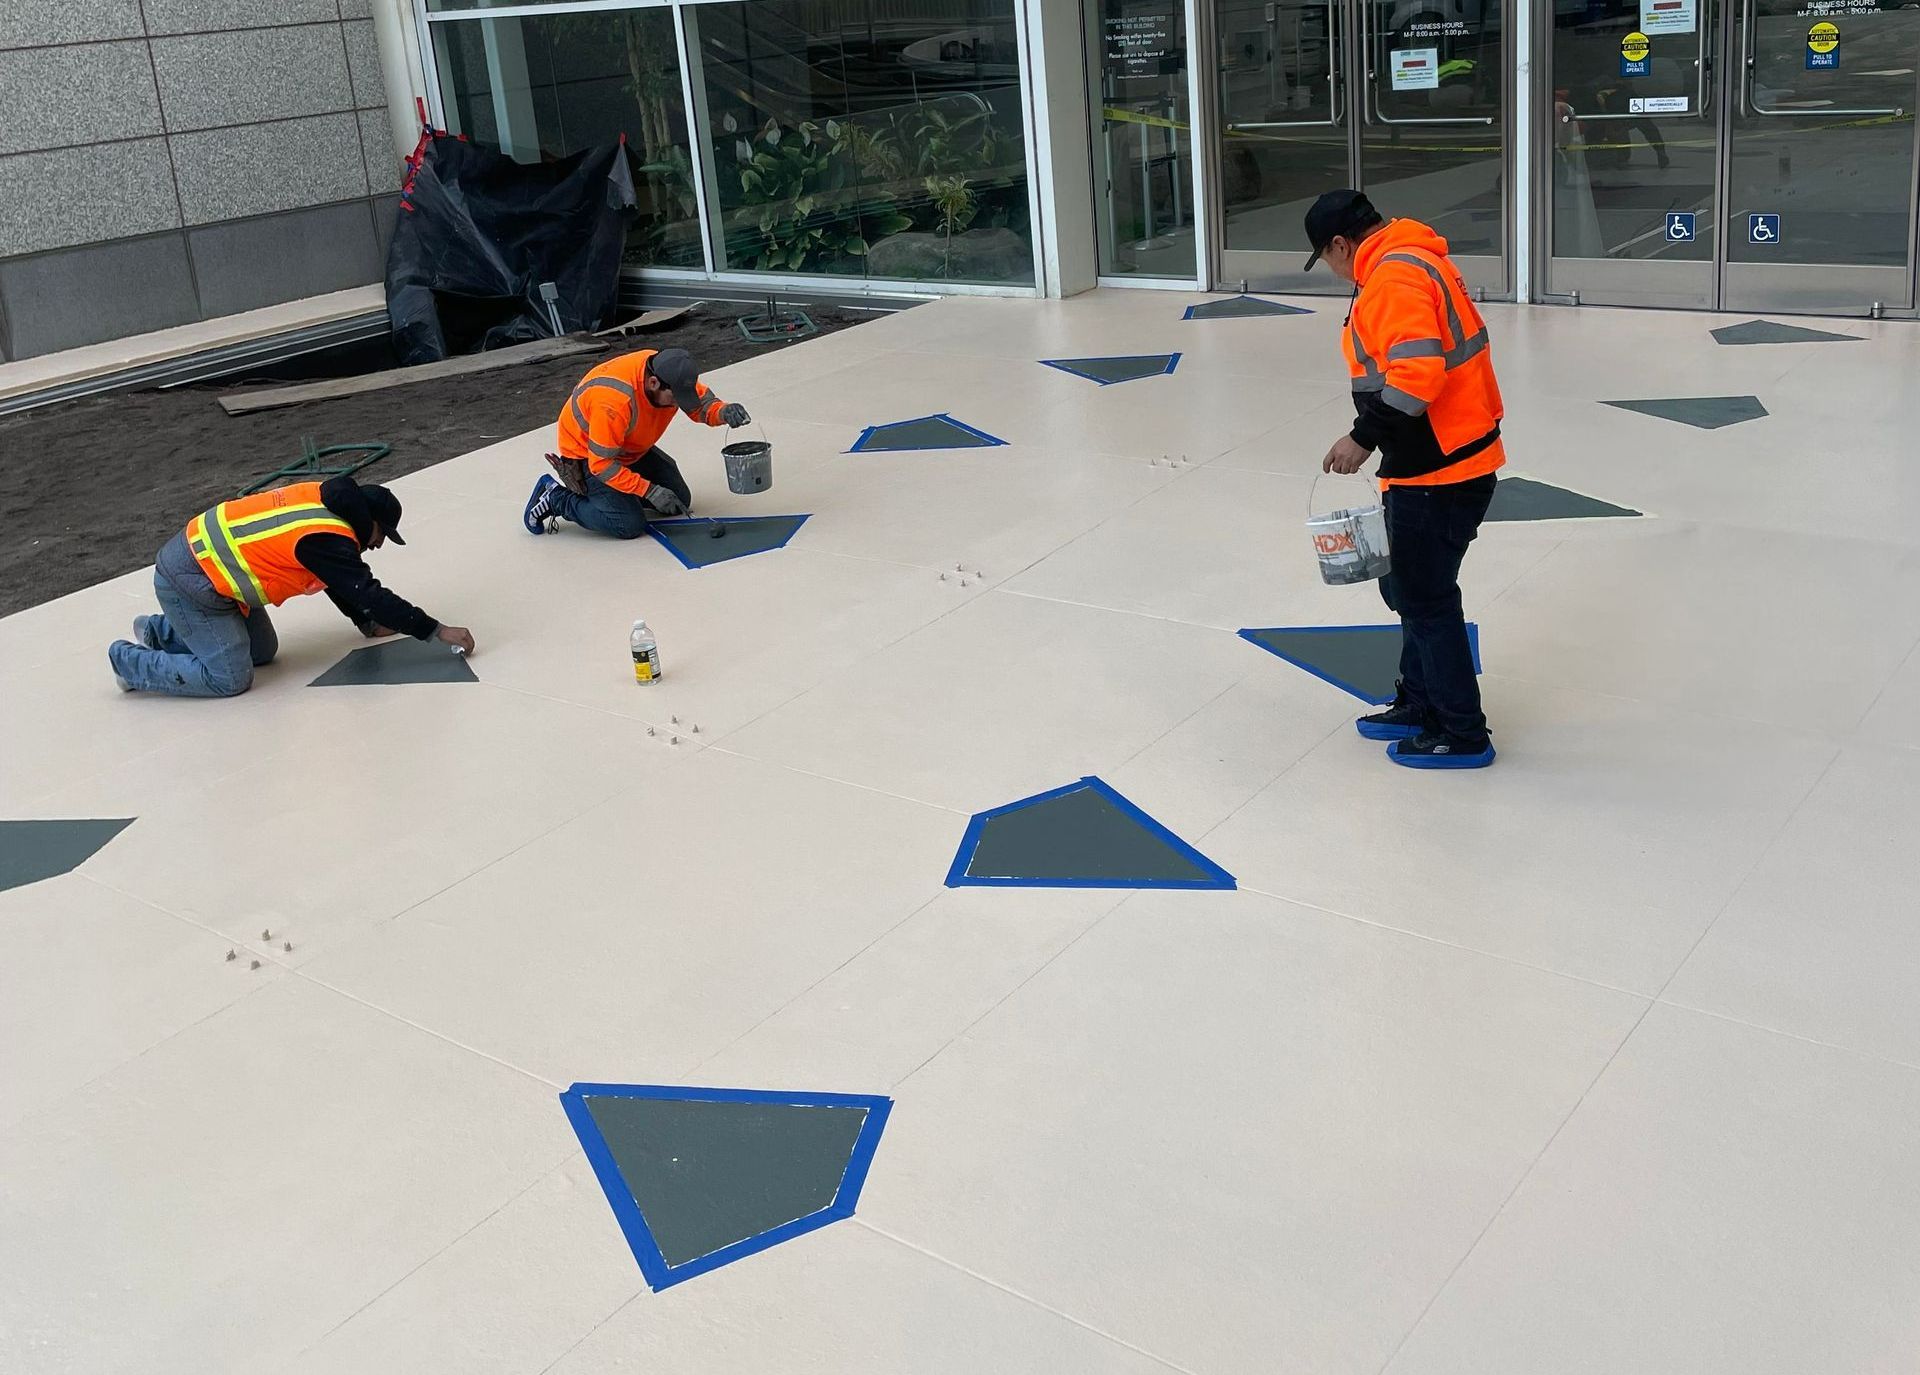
(1431, 124)
(1827, 148)
(1283, 118)
(877, 138)
(1143, 170)
(544, 87)
(1620, 173)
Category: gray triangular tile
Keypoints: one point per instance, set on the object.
(1772, 332)
(396, 661)
(1701, 412)
(1522, 498)
(35, 850)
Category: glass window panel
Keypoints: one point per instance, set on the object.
(866, 138)
(542, 87)
(1143, 139)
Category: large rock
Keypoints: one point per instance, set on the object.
(988, 255)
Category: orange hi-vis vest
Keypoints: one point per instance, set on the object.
(609, 422)
(245, 546)
(1415, 338)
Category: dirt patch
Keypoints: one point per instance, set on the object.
(91, 489)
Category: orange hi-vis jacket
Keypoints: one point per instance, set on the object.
(609, 422)
(245, 546)
(1424, 390)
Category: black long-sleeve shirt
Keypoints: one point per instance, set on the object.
(351, 586)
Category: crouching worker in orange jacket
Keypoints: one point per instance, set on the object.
(611, 475)
(216, 579)
(1425, 397)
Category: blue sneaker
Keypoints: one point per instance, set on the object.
(1437, 750)
(540, 506)
(1401, 721)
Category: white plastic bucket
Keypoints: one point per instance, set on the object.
(1351, 544)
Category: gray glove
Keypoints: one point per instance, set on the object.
(733, 415)
(664, 500)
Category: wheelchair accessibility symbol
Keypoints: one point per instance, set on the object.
(1763, 229)
(1680, 227)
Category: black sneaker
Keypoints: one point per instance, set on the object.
(1401, 721)
(1436, 749)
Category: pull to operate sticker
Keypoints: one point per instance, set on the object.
(1634, 51)
(1823, 47)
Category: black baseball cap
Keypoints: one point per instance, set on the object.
(384, 507)
(676, 369)
(1337, 214)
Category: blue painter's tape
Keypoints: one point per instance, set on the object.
(987, 441)
(654, 527)
(957, 876)
(633, 1223)
(1067, 365)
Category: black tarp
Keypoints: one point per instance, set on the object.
(478, 233)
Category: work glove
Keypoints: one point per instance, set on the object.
(664, 500)
(572, 473)
(733, 415)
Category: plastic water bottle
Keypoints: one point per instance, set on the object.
(646, 654)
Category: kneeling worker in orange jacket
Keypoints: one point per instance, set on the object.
(612, 475)
(1425, 397)
(216, 579)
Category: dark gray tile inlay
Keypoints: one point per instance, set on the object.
(1119, 369)
(95, 292)
(399, 660)
(1521, 498)
(694, 543)
(328, 248)
(1701, 412)
(1366, 661)
(1239, 307)
(1771, 332)
(708, 1174)
(1080, 835)
(35, 850)
(929, 432)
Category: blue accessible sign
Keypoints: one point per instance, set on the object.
(1763, 229)
(1680, 226)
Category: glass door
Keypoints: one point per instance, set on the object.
(1820, 188)
(1736, 154)
(1404, 99)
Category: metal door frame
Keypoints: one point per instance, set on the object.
(1497, 284)
(1650, 283)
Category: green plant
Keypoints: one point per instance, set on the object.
(954, 201)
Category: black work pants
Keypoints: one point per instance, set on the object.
(1428, 531)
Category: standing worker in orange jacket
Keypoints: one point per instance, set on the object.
(216, 579)
(1424, 395)
(613, 476)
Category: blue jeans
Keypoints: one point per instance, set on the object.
(207, 648)
(608, 511)
(1428, 531)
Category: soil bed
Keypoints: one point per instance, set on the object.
(91, 489)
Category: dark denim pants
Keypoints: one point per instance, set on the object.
(206, 646)
(609, 511)
(1428, 530)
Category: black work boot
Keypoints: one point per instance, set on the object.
(1436, 749)
(1401, 721)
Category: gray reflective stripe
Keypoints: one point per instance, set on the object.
(1466, 347)
(1405, 402)
(229, 562)
(580, 416)
(1369, 370)
(286, 515)
(599, 450)
(1362, 385)
(1417, 348)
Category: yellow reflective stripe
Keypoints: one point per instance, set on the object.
(298, 527)
(258, 593)
(279, 515)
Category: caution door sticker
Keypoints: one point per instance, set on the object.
(1634, 51)
(1823, 47)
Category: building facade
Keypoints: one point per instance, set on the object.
(1710, 154)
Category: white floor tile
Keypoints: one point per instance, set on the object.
(1725, 1200)
(228, 1198)
(1235, 1133)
